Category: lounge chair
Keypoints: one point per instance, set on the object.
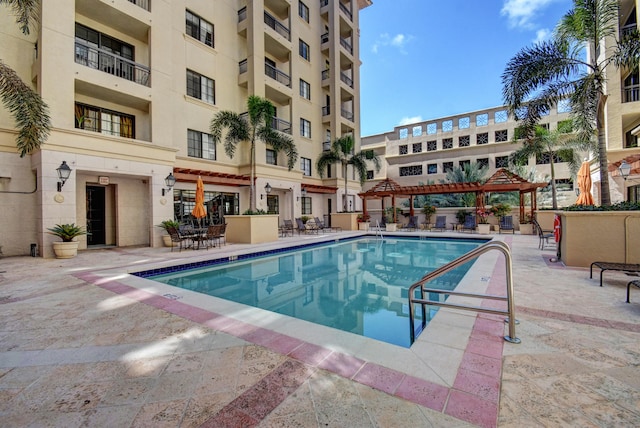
(543, 235)
(441, 223)
(306, 228)
(413, 223)
(636, 283)
(469, 223)
(623, 267)
(322, 227)
(506, 223)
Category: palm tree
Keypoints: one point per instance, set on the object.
(254, 126)
(342, 152)
(28, 109)
(471, 173)
(548, 72)
(556, 144)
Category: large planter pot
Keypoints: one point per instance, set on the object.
(526, 229)
(483, 229)
(252, 229)
(391, 227)
(65, 250)
(166, 240)
(363, 226)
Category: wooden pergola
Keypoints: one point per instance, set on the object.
(501, 181)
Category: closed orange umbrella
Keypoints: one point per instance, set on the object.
(199, 210)
(584, 184)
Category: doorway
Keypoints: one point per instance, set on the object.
(273, 205)
(96, 215)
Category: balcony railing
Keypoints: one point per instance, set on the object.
(326, 146)
(324, 38)
(242, 14)
(281, 125)
(631, 93)
(145, 4)
(627, 30)
(325, 74)
(102, 60)
(242, 66)
(346, 79)
(326, 110)
(277, 26)
(278, 75)
(347, 114)
(345, 44)
(323, 3)
(346, 10)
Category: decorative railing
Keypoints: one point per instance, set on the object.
(324, 38)
(242, 66)
(242, 14)
(631, 93)
(144, 4)
(346, 10)
(107, 62)
(326, 146)
(347, 114)
(346, 79)
(326, 110)
(627, 30)
(278, 75)
(325, 74)
(277, 26)
(345, 44)
(281, 125)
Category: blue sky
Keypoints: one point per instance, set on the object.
(424, 59)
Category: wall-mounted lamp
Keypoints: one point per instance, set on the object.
(267, 189)
(64, 172)
(303, 193)
(169, 181)
(624, 169)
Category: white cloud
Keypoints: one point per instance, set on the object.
(398, 41)
(409, 120)
(542, 35)
(521, 13)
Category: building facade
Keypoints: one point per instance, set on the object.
(132, 86)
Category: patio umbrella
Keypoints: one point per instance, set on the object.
(584, 184)
(199, 211)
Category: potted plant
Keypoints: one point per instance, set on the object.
(391, 225)
(68, 248)
(428, 211)
(500, 210)
(483, 221)
(166, 224)
(363, 221)
(461, 215)
(526, 225)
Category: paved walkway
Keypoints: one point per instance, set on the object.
(84, 344)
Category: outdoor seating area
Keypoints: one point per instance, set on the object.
(506, 224)
(322, 227)
(441, 223)
(469, 223)
(543, 235)
(622, 267)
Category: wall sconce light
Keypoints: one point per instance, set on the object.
(169, 181)
(267, 189)
(303, 193)
(64, 172)
(624, 169)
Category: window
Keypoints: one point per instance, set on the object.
(432, 168)
(483, 162)
(303, 11)
(482, 138)
(432, 146)
(502, 161)
(500, 116)
(546, 159)
(305, 166)
(417, 131)
(403, 149)
(303, 49)
(447, 166)
(417, 148)
(406, 171)
(305, 90)
(630, 140)
(447, 143)
(104, 121)
(521, 113)
(369, 174)
(199, 29)
(200, 87)
(482, 119)
(464, 141)
(272, 159)
(107, 59)
(447, 126)
(432, 128)
(463, 122)
(403, 133)
(501, 136)
(465, 164)
(305, 128)
(305, 203)
(200, 145)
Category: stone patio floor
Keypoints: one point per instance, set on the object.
(81, 346)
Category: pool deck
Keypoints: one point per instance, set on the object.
(84, 343)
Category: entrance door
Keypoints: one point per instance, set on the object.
(96, 230)
(273, 206)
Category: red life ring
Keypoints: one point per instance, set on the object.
(557, 228)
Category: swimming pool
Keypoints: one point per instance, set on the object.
(359, 286)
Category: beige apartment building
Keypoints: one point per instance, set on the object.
(132, 86)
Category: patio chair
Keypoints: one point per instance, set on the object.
(287, 228)
(413, 223)
(322, 227)
(441, 223)
(543, 235)
(179, 238)
(306, 228)
(469, 223)
(214, 234)
(506, 223)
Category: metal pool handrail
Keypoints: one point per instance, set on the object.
(475, 253)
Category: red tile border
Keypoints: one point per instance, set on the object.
(380, 378)
(472, 408)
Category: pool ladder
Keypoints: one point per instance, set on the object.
(475, 253)
(378, 231)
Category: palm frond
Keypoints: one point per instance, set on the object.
(279, 142)
(327, 158)
(627, 52)
(26, 12)
(237, 130)
(28, 109)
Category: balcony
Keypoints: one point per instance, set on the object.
(242, 66)
(627, 30)
(345, 44)
(277, 26)
(107, 62)
(278, 75)
(242, 14)
(630, 93)
(326, 110)
(347, 114)
(324, 3)
(144, 4)
(326, 146)
(346, 11)
(281, 125)
(325, 74)
(346, 79)
(324, 38)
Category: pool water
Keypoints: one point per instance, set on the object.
(359, 286)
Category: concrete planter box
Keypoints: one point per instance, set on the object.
(363, 226)
(609, 236)
(483, 229)
(391, 227)
(526, 229)
(252, 229)
(347, 221)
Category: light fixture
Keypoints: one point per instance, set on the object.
(64, 172)
(267, 189)
(624, 169)
(169, 181)
(303, 193)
